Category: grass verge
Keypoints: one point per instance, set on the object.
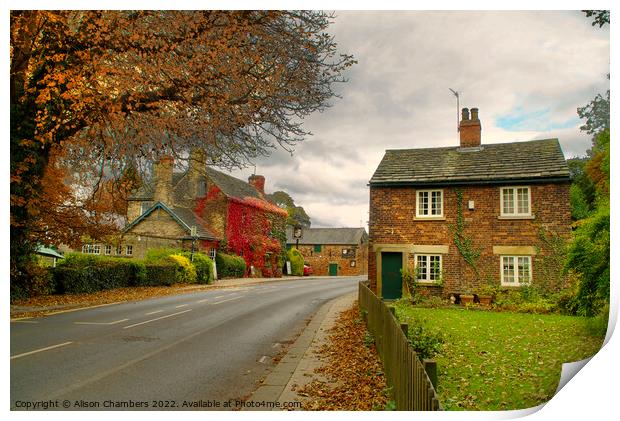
(500, 361)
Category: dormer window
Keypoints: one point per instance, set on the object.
(430, 203)
(515, 201)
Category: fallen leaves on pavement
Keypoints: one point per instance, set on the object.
(355, 372)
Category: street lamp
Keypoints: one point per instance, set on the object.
(297, 234)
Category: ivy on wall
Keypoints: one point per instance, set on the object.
(463, 243)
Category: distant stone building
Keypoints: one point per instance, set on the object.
(333, 251)
(228, 214)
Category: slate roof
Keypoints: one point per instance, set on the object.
(326, 236)
(186, 218)
(230, 186)
(491, 163)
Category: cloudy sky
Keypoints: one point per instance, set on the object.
(527, 72)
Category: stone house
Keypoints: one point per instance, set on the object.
(227, 214)
(459, 218)
(333, 251)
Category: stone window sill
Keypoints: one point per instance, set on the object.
(516, 217)
(430, 218)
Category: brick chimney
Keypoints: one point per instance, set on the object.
(258, 181)
(196, 172)
(162, 180)
(470, 128)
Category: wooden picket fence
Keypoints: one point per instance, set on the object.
(412, 388)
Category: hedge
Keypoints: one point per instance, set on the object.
(159, 273)
(297, 262)
(230, 266)
(156, 254)
(203, 265)
(78, 276)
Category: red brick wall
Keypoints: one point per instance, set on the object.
(392, 213)
(319, 261)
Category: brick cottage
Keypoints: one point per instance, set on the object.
(463, 217)
(333, 251)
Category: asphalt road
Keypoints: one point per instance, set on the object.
(197, 348)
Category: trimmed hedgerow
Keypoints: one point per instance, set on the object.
(162, 273)
(229, 266)
(297, 262)
(83, 275)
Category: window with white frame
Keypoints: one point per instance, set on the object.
(119, 250)
(430, 203)
(129, 250)
(516, 270)
(212, 254)
(515, 201)
(428, 267)
(107, 250)
(91, 249)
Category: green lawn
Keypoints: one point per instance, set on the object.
(497, 361)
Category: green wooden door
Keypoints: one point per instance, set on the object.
(391, 278)
(333, 269)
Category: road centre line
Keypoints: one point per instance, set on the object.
(153, 312)
(154, 320)
(101, 323)
(182, 305)
(203, 301)
(40, 350)
(230, 299)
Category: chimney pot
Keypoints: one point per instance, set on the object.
(258, 181)
(470, 129)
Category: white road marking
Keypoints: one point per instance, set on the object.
(153, 312)
(203, 301)
(230, 299)
(158, 318)
(182, 305)
(276, 345)
(23, 321)
(40, 350)
(101, 323)
(263, 359)
(227, 295)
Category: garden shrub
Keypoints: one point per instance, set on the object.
(230, 266)
(297, 262)
(425, 342)
(156, 254)
(203, 265)
(186, 272)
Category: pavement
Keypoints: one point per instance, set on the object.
(297, 367)
(199, 348)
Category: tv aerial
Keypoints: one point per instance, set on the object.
(458, 106)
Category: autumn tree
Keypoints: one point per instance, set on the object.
(98, 95)
(296, 214)
(589, 253)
